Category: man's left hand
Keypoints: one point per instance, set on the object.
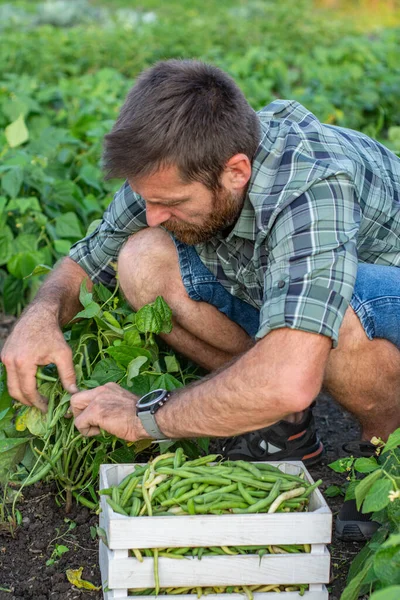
(108, 407)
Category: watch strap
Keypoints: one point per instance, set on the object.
(150, 425)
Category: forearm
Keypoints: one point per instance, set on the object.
(261, 387)
(59, 294)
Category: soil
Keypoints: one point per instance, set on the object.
(23, 571)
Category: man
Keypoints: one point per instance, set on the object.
(274, 239)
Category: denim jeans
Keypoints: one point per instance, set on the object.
(375, 300)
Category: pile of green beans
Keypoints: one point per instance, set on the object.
(247, 590)
(171, 485)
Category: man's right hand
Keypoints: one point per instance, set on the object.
(36, 340)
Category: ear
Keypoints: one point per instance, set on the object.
(237, 172)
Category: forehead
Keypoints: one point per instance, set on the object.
(166, 181)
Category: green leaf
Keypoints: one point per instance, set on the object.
(142, 384)
(134, 368)
(332, 491)
(351, 490)
(351, 591)
(107, 370)
(40, 270)
(166, 382)
(11, 182)
(91, 175)
(365, 485)
(12, 294)
(36, 421)
(132, 337)
(101, 292)
(393, 441)
(377, 496)
(10, 443)
(366, 552)
(62, 246)
(147, 320)
(342, 464)
(165, 313)
(17, 132)
(387, 564)
(68, 226)
(172, 364)
(124, 354)
(22, 205)
(85, 297)
(6, 244)
(390, 593)
(366, 465)
(90, 311)
(22, 264)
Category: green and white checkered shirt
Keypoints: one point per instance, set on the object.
(320, 199)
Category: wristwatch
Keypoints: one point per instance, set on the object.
(147, 406)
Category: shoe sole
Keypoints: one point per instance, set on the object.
(355, 531)
(310, 459)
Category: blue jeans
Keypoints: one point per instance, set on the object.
(376, 297)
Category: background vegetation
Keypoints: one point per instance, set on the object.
(66, 66)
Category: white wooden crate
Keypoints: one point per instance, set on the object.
(120, 572)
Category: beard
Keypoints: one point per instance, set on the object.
(226, 208)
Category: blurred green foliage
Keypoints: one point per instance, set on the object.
(61, 88)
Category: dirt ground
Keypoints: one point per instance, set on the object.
(23, 571)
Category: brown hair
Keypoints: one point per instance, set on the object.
(184, 113)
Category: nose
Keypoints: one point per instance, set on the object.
(155, 215)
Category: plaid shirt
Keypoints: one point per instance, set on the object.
(320, 199)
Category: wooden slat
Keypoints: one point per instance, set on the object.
(220, 571)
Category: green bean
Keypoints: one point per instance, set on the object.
(122, 485)
(145, 493)
(285, 496)
(115, 495)
(135, 508)
(248, 466)
(156, 577)
(170, 555)
(184, 497)
(219, 481)
(179, 458)
(203, 509)
(264, 502)
(191, 507)
(164, 487)
(182, 491)
(116, 508)
(202, 461)
(128, 491)
(247, 497)
(222, 490)
(313, 487)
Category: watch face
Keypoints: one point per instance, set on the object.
(150, 398)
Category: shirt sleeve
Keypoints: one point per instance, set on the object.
(312, 260)
(97, 252)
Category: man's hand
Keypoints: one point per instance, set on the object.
(36, 340)
(108, 407)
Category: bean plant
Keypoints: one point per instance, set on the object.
(376, 569)
(110, 343)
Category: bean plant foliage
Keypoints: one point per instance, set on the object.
(376, 569)
(110, 343)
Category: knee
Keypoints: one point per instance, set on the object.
(147, 264)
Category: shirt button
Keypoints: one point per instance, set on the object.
(281, 284)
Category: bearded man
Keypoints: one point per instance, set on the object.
(274, 238)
